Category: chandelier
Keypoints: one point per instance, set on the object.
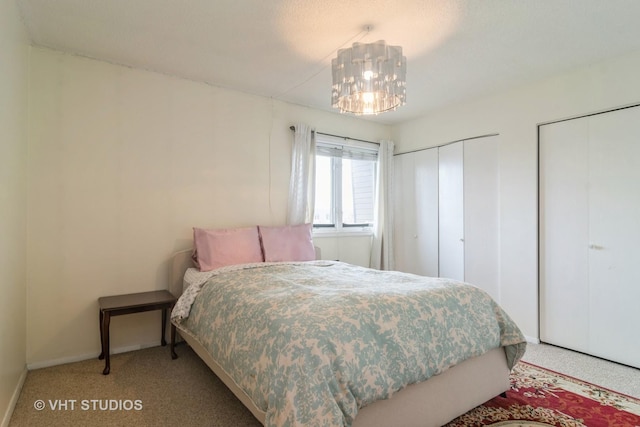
(369, 78)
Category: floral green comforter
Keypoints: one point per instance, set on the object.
(310, 343)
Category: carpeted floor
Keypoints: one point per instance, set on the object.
(151, 389)
(147, 388)
(623, 379)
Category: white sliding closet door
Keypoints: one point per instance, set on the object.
(451, 209)
(589, 233)
(482, 214)
(614, 234)
(426, 184)
(447, 212)
(404, 213)
(416, 212)
(564, 236)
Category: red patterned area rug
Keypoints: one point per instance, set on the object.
(539, 397)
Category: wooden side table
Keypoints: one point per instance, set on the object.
(118, 305)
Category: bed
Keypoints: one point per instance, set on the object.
(325, 380)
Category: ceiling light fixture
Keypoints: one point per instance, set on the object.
(369, 78)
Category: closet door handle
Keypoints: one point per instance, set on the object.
(595, 247)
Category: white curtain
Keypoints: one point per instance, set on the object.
(303, 174)
(382, 245)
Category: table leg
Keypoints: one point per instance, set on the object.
(163, 341)
(101, 338)
(106, 319)
(174, 356)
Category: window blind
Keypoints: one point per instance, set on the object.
(345, 148)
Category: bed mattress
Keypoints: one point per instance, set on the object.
(313, 342)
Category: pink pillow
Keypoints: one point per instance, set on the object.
(221, 247)
(287, 243)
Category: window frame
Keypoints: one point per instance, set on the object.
(338, 227)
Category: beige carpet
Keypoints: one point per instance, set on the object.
(621, 378)
(185, 393)
(181, 392)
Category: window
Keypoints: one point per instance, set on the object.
(345, 184)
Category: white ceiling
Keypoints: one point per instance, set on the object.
(455, 49)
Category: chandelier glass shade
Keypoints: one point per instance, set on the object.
(369, 78)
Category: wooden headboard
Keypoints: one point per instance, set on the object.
(179, 264)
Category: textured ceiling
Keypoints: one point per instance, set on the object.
(455, 49)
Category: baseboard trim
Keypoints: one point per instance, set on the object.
(14, 399)
(87, 356)
(532, 340)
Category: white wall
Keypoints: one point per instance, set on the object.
(351, 248)
(514, 115)
(122, 164)
(14, 50)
